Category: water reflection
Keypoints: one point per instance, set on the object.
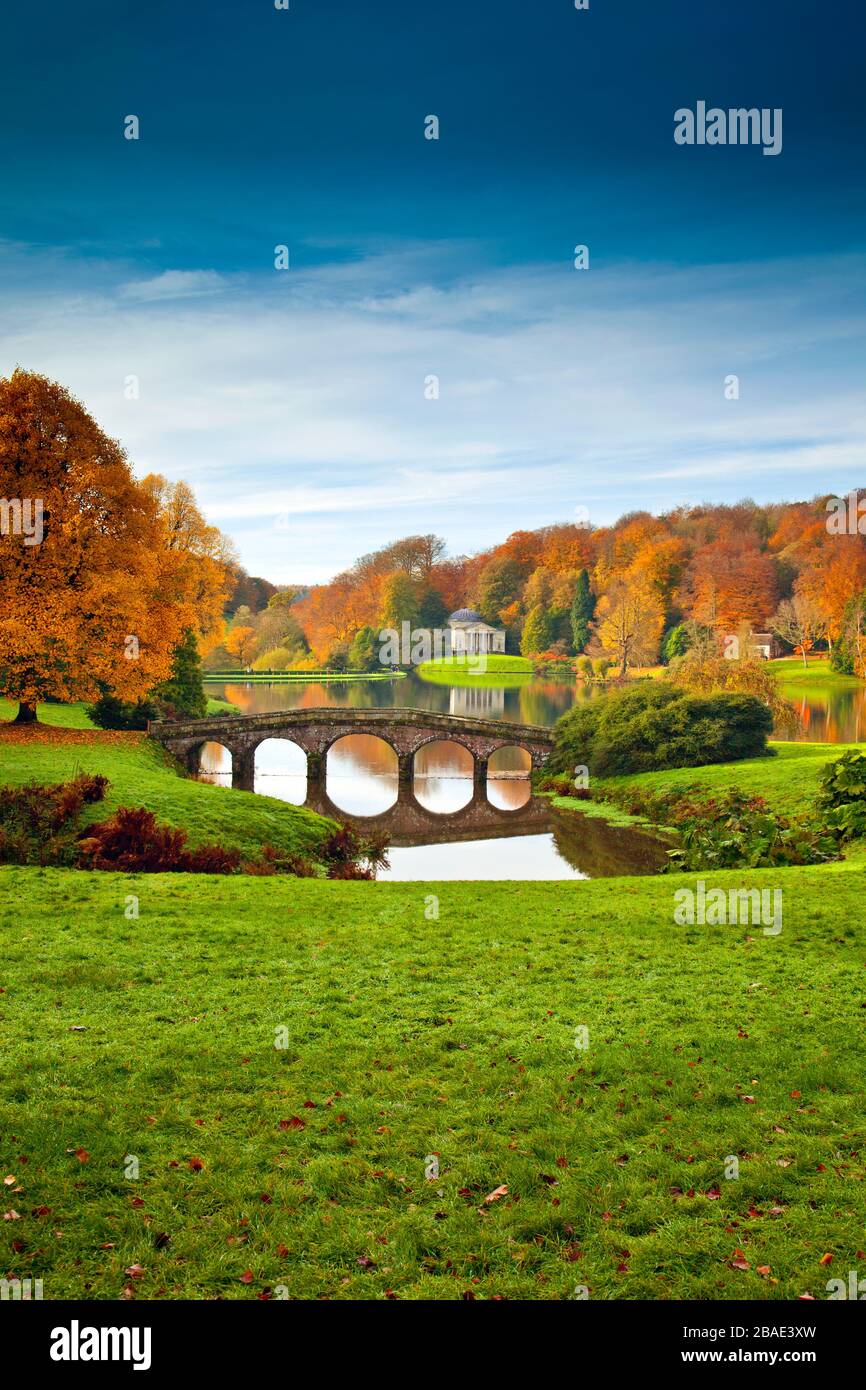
(444, 826)
(443, 777)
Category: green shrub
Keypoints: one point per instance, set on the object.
(652, 726)
(727, 832)
(842, 798)
(110, 713)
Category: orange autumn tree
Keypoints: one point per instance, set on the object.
(731, 582)
(203, 561)
(90, 600)
(241, 642)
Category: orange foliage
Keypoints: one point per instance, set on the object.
(101, 600)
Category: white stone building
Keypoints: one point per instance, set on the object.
(470, 635)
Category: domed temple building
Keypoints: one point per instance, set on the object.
(470, 634)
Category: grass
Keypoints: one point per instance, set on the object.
(140, 773)
(215, 706)
(788, 780)
(408, 1038)
(139, 1016)
(492, 661)
(791, 671)
(501, 672)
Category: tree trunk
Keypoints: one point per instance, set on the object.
(26, 713)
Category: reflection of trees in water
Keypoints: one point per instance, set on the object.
(601, 850)
(361, 755)
(828, 716)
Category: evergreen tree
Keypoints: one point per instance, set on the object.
(183, 692)
(499, 584)
(536, 632)
(432, 612)
(364, 651)
(582, 611)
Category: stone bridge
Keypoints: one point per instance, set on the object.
(315, 730)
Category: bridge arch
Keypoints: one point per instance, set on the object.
(372, 795)
(437, 777)
(283, 759)
(212, 759)
(508, 773)
(316, 731)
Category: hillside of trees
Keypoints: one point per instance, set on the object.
(645, 589)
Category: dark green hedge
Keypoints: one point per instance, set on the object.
(652, 726)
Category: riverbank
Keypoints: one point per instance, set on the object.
(295, 677)
(140, 773)
(454, 1041)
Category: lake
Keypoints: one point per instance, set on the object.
(444, 829)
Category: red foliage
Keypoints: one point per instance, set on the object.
(132, 841)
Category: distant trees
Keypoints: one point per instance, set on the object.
(499, 584)
(364, 650)
(400, 602)
(241, 642)
(697, 574)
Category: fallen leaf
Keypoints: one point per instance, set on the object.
(497, 1193)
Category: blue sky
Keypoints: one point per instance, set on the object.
(294, 400)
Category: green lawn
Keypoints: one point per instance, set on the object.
(790, 670)
(302, 1169)
(460, 665)
(788, 780)
(141, 774)
(407, 1038)
(55, 716)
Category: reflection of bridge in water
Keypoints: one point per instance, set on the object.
(408, 823)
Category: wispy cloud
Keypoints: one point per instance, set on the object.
(174, 284)
(295, 402)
